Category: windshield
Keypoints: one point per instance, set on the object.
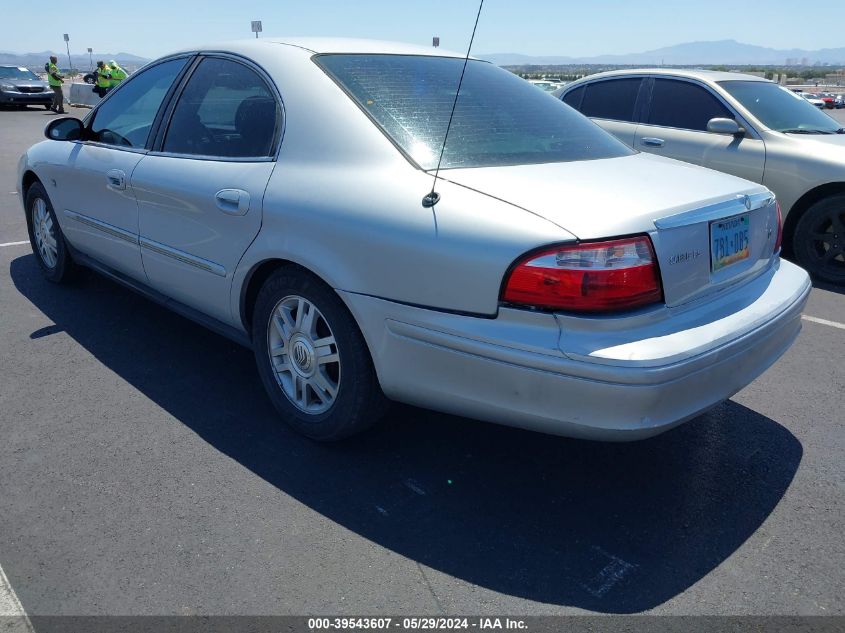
(500, 119)
(779, 108)
(16, 73)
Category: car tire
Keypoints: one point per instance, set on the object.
(312, 358)
(819, 240)
(46, 237)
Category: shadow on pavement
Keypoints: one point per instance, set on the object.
(823, 285)
(614, 528)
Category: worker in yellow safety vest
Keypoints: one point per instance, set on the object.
(117, 74)
(103, 79)
(56, 80)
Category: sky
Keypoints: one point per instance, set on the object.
(152, 28)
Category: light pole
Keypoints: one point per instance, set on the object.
(90, 58)
(67, 44)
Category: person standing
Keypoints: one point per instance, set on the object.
(103, 79)
(56, 79)
(117, 74)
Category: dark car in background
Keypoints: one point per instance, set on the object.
(21, 87)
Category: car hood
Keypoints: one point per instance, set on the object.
(37, 83)
(827, 140)
(607, 197)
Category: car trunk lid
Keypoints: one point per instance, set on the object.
(682, 207)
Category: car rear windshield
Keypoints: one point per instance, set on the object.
(500, 119)
(780, 109)
(7, 72)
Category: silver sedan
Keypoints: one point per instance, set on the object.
(284, 195)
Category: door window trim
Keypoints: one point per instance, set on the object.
(89, 118)
(167, 118)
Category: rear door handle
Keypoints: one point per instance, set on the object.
(232, 201)
(651, 141)
(116, 179)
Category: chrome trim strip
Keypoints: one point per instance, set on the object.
(105, 227)
(182, 256)
(740, 204)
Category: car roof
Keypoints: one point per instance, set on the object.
(709, 76)
(323, 45)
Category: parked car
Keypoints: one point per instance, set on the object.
(547, 86)
(21, 87)
(284, 193)
(814, 99)
(828, 99)
(742, 125)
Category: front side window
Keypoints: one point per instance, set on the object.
(127, 117)
(226, 110)
(499, 118)
(779, 108)
(684, 105)
(611, 99)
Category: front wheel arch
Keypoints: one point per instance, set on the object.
(29, 179)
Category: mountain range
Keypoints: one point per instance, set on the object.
(81, 61)
(728, 52)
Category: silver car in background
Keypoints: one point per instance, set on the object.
(280, 194)
(742, 125)
(20, 87)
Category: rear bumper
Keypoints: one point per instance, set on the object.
(515, 369)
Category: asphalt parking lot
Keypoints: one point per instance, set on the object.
(143, 471)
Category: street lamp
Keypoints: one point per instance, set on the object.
(67, 44)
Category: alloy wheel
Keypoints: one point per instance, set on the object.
(303, 355)
(827, 242)
(44, 233)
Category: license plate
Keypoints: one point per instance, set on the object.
(729, 241)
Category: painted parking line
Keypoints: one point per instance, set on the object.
(14, 243)
(10, 607)
(813, 319)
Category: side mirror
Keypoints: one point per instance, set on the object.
(725, 126)
(64, 129)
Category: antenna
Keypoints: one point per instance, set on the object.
(432, 197)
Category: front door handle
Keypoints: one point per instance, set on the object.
(232, 201)
(116, 179)
(650, 141)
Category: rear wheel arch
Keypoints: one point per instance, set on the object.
(800, 207)
(255, 279)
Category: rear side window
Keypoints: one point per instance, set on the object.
(499, 118)
(226, 110)
(613, 99)
(573, 98)
(681, 104)
(128, 115)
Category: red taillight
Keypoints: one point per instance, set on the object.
(588, 277)
(780, 229)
